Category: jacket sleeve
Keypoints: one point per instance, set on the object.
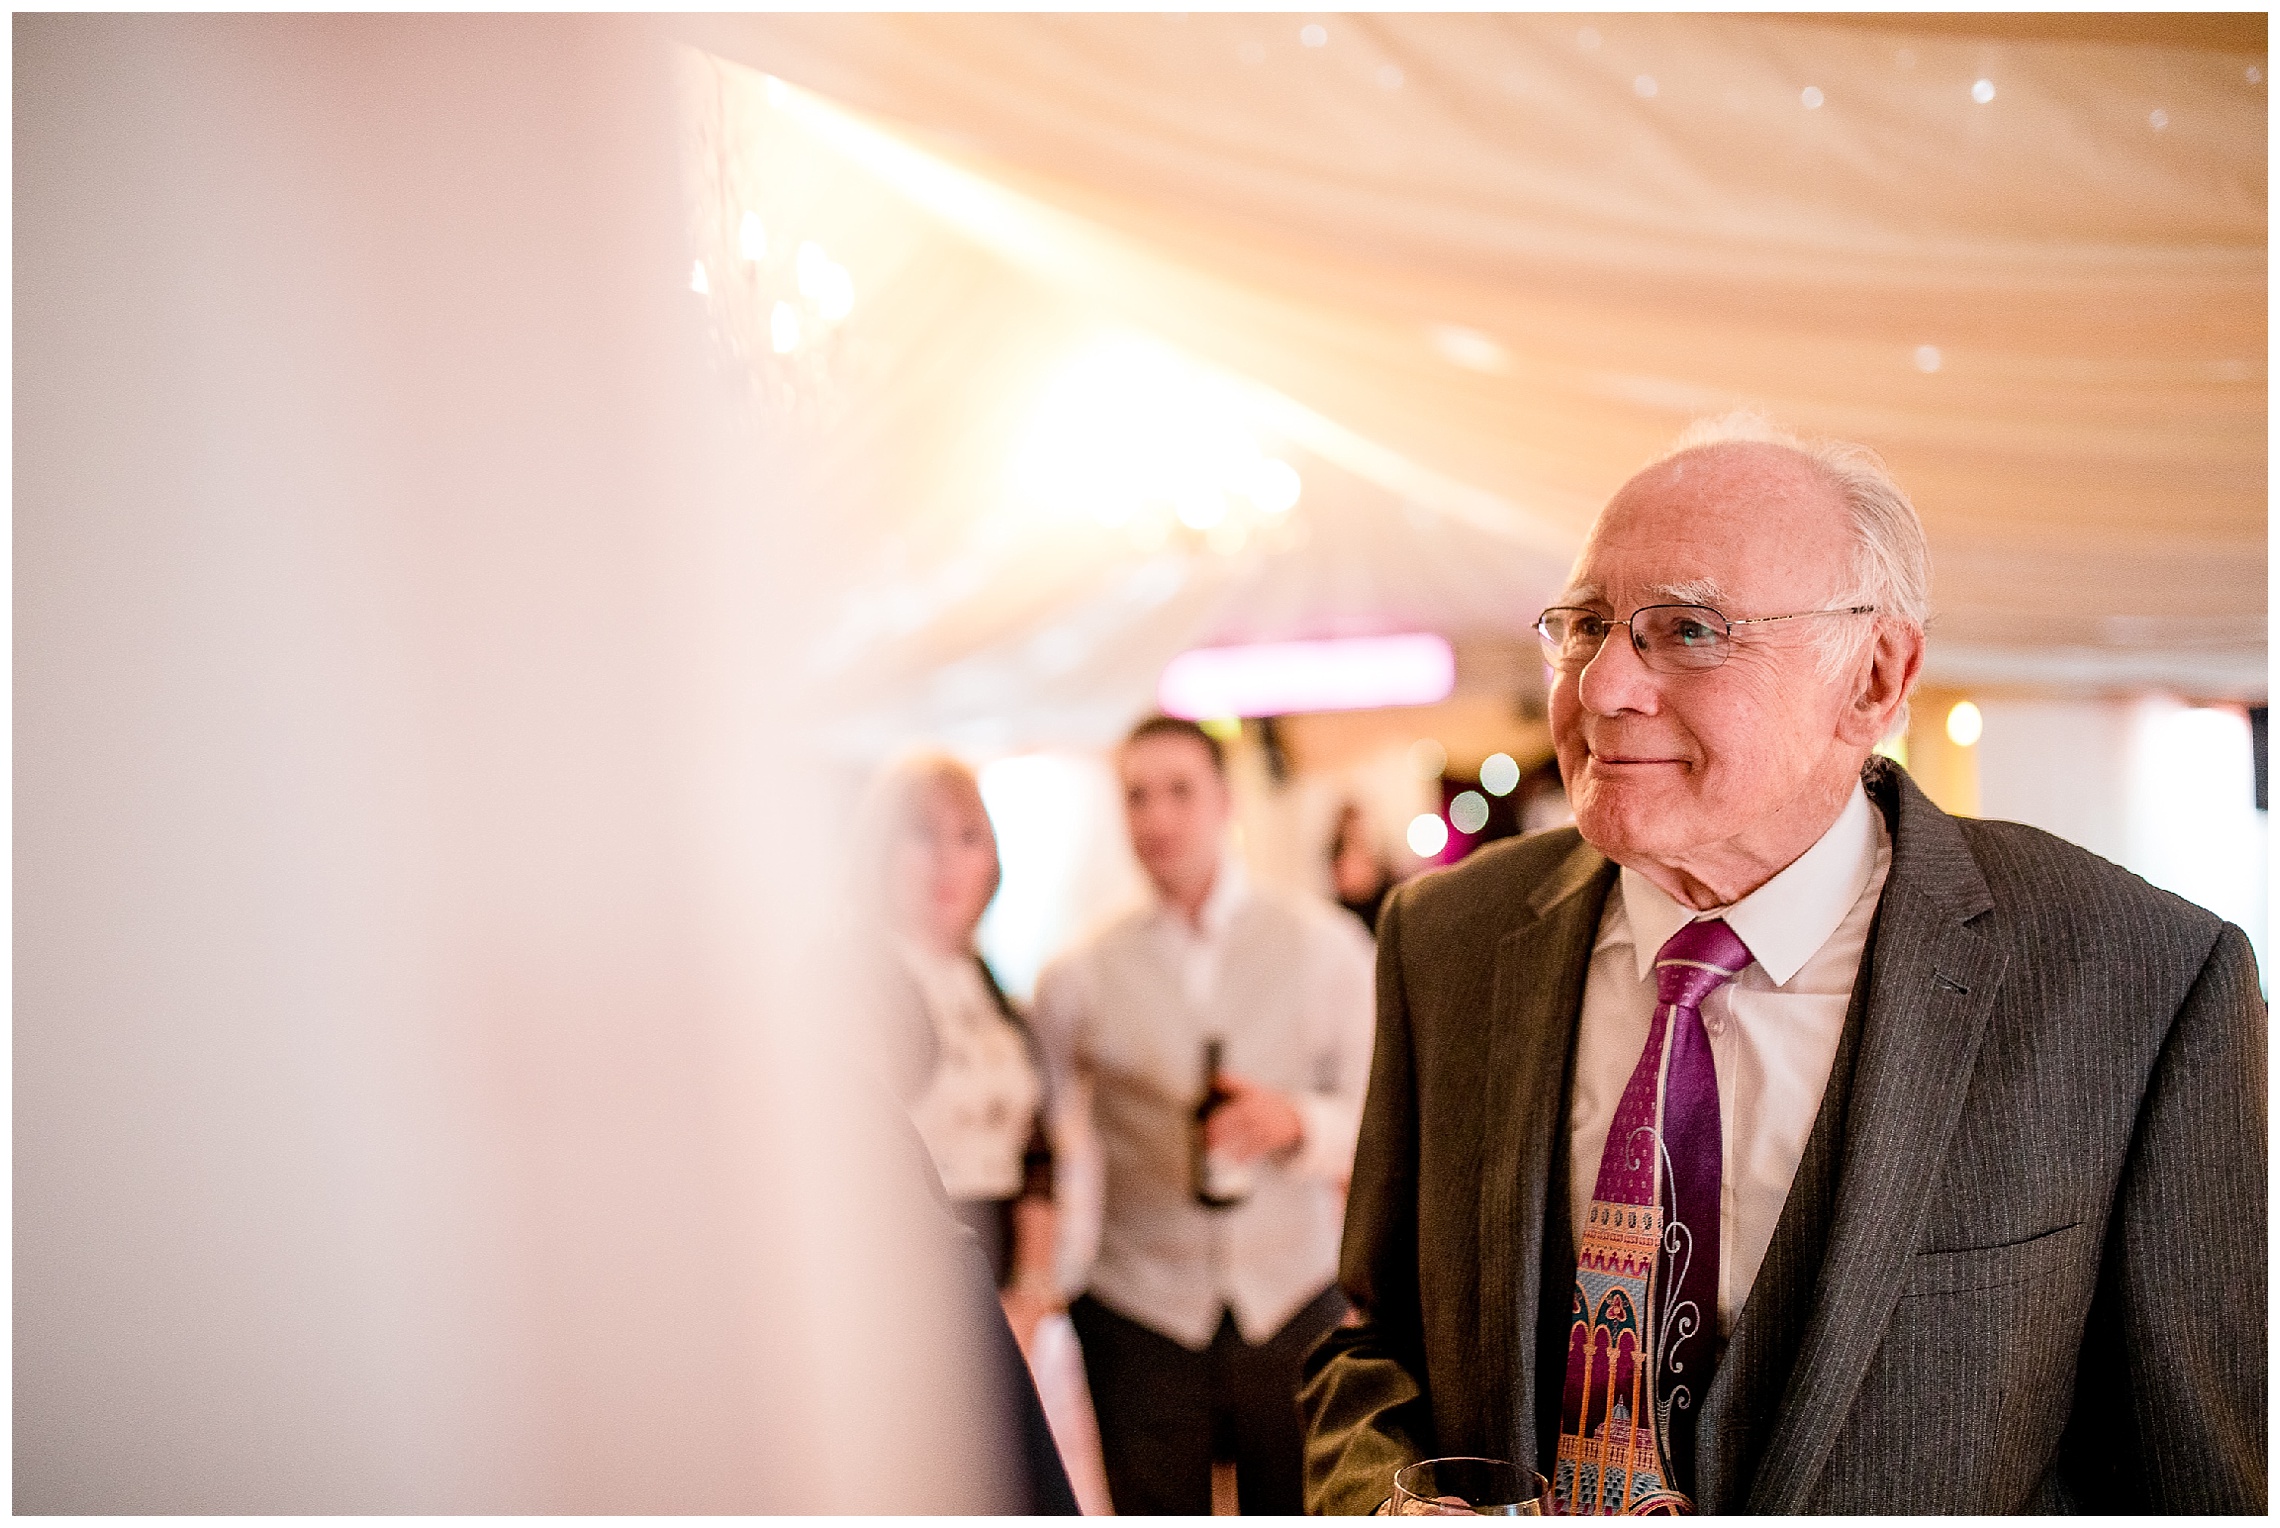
(2183, 1294)
(1364, 1400)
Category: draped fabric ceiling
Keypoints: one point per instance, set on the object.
(1467, 272)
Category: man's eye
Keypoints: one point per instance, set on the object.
(1694, 633)
(1589, 627)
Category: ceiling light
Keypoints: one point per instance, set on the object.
(1278, 678)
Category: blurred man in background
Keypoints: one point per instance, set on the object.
(1223, 1036)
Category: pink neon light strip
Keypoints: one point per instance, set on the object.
(1278, 678)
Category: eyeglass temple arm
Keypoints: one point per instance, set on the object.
(1760, 620)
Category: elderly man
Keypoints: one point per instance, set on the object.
(1771, 1140)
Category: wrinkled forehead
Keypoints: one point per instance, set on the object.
(1733, 526)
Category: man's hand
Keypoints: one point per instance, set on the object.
(1256, 1122)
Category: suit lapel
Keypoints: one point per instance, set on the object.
(1745, 1395)
(1540, 967)
(1933, 980)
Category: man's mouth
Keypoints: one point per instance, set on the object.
(1634, 761)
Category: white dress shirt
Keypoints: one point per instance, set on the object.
(1286, 984)
(1773, 1029)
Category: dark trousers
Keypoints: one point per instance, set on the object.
(1165, 1412)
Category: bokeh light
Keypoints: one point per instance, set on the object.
(1272, 484)
(1963, 724)
(1335, 674)
(1499, 774)
(1428, 835)
(1468, 814)
(1132, 430)
(824, 282)
(1469, 348)
(1200, 507)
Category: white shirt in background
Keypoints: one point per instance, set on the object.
(1773, 1029)
(1287, 984)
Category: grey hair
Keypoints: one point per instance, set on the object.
(1891, 562)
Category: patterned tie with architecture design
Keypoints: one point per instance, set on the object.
(1646, 1277)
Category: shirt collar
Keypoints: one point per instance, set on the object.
(1785, 920)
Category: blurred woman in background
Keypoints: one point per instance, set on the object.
(959, 1055)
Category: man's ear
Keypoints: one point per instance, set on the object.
(1881, 686)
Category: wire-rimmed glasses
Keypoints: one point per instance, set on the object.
(1670, 639)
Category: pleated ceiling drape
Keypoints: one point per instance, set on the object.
(1483, 266)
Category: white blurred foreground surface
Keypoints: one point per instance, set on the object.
(418, 1105)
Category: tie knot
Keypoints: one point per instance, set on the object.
(1697, 960)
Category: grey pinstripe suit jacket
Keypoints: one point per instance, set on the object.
(2023, 1265)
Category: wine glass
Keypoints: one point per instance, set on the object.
(1468, 1488)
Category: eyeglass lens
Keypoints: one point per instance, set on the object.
(1673, 638)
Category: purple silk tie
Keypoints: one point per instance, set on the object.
(1645, 1323)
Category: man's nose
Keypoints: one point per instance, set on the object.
(1617, 678)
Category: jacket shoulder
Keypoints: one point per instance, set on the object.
(1488, 889)
(2061, 904)
(2042, 879)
